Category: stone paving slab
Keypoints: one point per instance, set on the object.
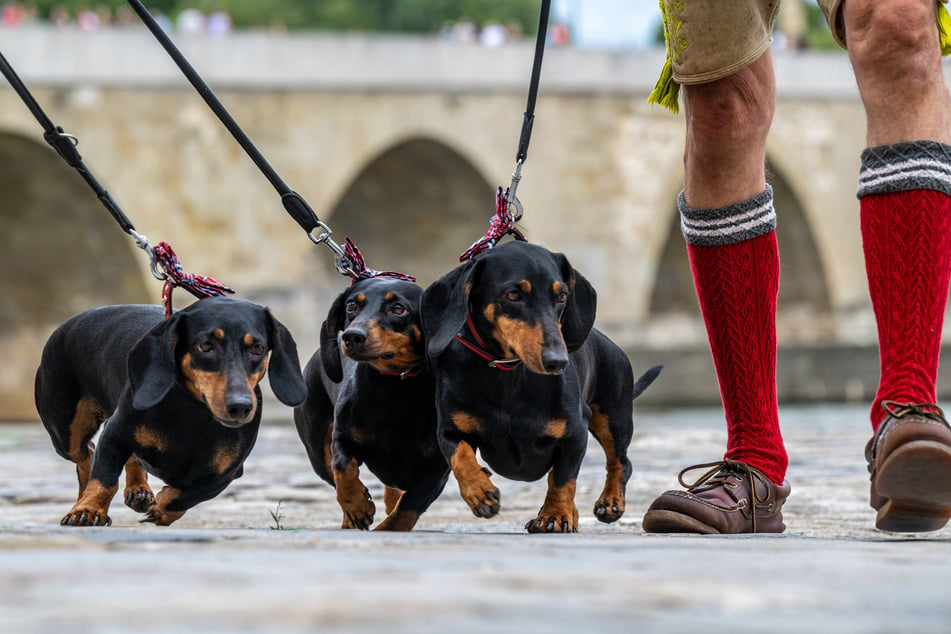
(227, 566)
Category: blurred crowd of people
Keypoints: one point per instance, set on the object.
(194, 21)
(95, 18)
(492, 34)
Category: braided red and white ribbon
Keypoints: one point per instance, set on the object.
(502, 224)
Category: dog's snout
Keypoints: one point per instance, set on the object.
(554, 362)
(354, 338)
(239, 406)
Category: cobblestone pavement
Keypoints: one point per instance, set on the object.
(229, 566)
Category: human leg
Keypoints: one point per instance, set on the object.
(728, 221)
(905, 210)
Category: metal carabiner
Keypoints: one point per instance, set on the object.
(143, 243)
(323, 237)
(510, 196)
(344, 266)
(341, 262)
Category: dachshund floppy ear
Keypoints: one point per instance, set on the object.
(578, 318)
(284, 371)
(445, 304)
(329, 347)
(151, 363)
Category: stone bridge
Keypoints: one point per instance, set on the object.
(400, 143)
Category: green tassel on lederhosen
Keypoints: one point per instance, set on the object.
(666, 91)
(944, 29)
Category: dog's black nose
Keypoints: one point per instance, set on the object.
(554, 362)
(354, 338)
(239, 407)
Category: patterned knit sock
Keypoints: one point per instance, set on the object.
(906, 236)
(735, 263)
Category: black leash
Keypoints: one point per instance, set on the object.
(293, 202)
(503, 222)
(162, 259)
(529, 118)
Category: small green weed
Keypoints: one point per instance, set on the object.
(277, 517)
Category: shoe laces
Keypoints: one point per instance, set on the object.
(927, 410)
(719, 473)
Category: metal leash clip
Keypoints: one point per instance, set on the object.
(342, 263)
(510, 196)
(143, 243)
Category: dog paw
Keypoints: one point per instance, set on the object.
(361, 518)
(139, 498)
(160, 516)
(555, 516)
(609, 509)
(358, 510)
(80, 516)
(546, 523)
(484, 500)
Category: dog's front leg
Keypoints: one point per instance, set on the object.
(352, 495)
(475, 487)
(138, 494)
(559, 513)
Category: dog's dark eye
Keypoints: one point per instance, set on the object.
(205, 346)
(514, 296)
(352, 307)
(258, 349)
(562, 297)
(398, 309)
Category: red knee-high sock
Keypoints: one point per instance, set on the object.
(906, 237)
(737, 285)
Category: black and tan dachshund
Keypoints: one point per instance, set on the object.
(179, 397)
(522, 377)
(371, 401)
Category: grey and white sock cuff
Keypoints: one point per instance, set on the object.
(727, 225)
(906, 166)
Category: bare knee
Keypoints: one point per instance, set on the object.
(896, 56)
(897, 40)
(735, 111)
(728, 121)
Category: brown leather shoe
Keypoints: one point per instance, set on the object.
(732, 497)
(909, 459)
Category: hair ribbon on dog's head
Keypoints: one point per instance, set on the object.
(358, 269)
(171, 271)
(502, 224)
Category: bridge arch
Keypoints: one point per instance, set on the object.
(414, 207)
(804, 300)
(60, 253)
(60, 250)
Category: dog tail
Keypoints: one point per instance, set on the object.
(646, 379)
